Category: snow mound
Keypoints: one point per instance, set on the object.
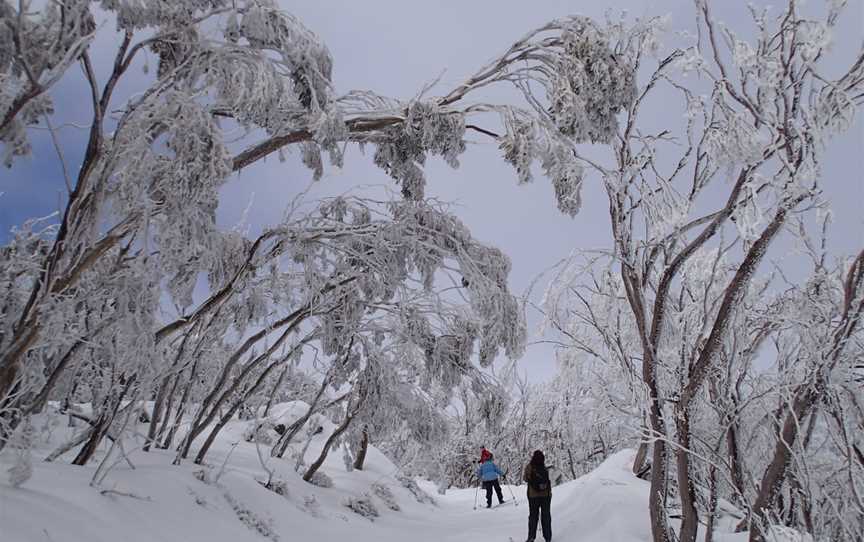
(156, 501)
(608, 504)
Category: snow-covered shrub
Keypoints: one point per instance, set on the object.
(199, 499)
(277, 486)
(22, 466)
(419, 495)
(320, 479)
(384, 493)
(22, 469)
(259, 432)
(363, 506)
(311, 505)
(251, 520)
(204, 475)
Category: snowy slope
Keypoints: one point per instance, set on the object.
(160, 502)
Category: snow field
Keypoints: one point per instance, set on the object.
(157, 501)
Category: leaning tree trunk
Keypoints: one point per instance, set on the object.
(202, 452)
(157, 415)
(169, 407)
(161, 395)
(235, 407)
(313, 468)
(102, 425)
(181, 407)
(211, 405)
(364, 447)
(281, 445)
(274, 391)
(775, 473)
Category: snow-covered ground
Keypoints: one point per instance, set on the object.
(156, 501)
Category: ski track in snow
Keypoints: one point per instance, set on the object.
(159, 502)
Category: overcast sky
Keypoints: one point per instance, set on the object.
(395, 48)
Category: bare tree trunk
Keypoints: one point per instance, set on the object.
(292, 430)
(156, 417)
(281, 445)
(202, 452)
(103, 425)
(641, 458)
(205, 417)
(798, 513)
(659, 459)
(806, 397)
(364, 447)
(313, 468)
(735, 463)
(181, 408)
(729, 420)
(275, 390)
(772, 480)
(169, 407)
(235, 407)
(75, 441)
(687, 494)
(657, 497)
(572, 465)
(161, 394)
(712, 503)
(42, 397)
(67, 401)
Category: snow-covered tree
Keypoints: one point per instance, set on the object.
(685, 266)
(679, 303)
(84, 299)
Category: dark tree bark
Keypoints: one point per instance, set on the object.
(181, 407)
(162, 394)
(103, 424)
(276, 386)
(349, 417)
(211, 405)
(238, 404)
(364, 447)
(169, 407)
(641, 459)
(281, 445)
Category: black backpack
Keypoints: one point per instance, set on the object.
(539, 480)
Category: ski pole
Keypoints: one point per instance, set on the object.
(476, 492)
(515, 502)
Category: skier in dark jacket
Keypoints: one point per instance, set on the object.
(488, 472)
(539, 496)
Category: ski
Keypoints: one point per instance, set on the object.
(493, 507)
